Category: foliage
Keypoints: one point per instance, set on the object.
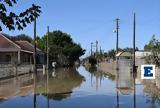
(111, 54)
(92, 60)
(57, 97)
(154, 47)
(14, 21)
(61, 46)
(20, 37)
(40, 43)
(127, 49)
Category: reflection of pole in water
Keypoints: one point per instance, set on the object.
(117, 99)
(134, 97)
(35, 97)
(91, 79)
(101, 79)
(96, 83)
(117, 77)
(35, 101)
(47, 90)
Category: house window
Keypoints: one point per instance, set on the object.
(7, 58)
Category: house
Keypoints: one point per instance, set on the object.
(19, 52)
(141, 54)
(124, 55)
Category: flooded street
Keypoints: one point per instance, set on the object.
(81, 88)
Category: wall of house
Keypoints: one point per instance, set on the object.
(10, 70)
(140, 54)
(26, 58)
(8, 58)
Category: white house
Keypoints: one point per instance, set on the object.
(140, 54)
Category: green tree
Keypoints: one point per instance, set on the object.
(154, 47)
(14, 21)
(23, 37)
(61, 46)
(92, 60)
(111, 53)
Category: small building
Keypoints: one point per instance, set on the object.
(124, 55)
(141, 54)
(19, 52)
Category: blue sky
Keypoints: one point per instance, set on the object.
(90, 20)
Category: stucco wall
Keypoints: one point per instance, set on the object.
(8, 70)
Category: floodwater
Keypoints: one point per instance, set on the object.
(81, 88)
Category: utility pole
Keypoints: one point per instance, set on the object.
(96, 47)
(134, 33)
(91, 48)
(35, 51)
(117, 31)
(47, 48)
(100, 50)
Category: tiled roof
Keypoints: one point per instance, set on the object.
(8, 45)
(5, 43)
(25, 45)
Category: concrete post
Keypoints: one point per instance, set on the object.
(19, 57)
(44, 70)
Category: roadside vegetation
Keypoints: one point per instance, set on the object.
(62, 48)
(154, 47)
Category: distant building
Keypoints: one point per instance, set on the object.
(141, 54)
(124, 55)
(19, 52)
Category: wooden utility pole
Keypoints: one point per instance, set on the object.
(134, 33)
(47, 48)
(100, 50)
(96, 47)
(91, 48)
(35, 46)
(117, 31)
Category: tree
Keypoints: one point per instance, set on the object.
(154, 47)
(111, 53)
(23, 37)
(92, 60)
(62, 49)
(14, 21)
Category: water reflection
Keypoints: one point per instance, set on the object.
(125, 81)
(125, 77)
(129, 82)
(82, 88)
(152, 91)
(20, 86)
(99, 75)
(56, 88)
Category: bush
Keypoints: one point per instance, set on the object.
(92, 60)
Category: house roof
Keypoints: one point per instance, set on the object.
(125, 90)
(124, 54)
(6, 45)
(26, 46)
